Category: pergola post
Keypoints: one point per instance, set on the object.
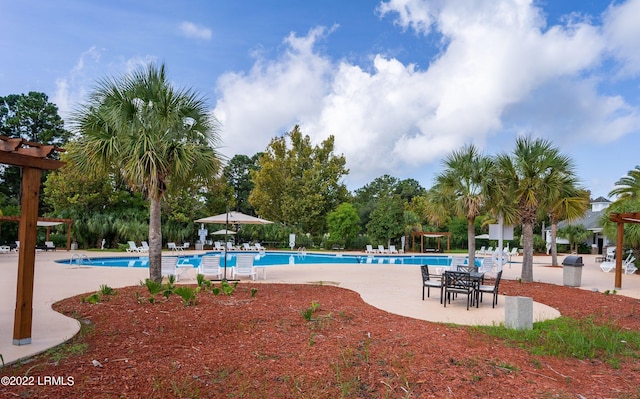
(33, 158)
(619, 254)
(621, 219)
(26, 255)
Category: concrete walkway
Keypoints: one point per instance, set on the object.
(393, 288)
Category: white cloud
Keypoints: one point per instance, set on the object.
(273, 96)
(191, 30)
(623, 33)
(72, 88)
(501, 69)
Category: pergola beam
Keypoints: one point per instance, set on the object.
(32, 157)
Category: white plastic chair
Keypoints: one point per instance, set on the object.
(133, 247)
(169, 266)
(244, 266)
(210, 266)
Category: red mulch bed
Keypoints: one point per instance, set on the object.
(261, 346)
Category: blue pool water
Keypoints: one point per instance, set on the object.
(273, 258)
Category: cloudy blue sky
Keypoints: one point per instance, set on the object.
(399, 83)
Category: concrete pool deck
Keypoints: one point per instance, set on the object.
(393, 288)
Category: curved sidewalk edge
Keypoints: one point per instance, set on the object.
(393, 288)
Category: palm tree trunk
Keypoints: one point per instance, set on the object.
(155, 241)
(471, 239)
(527, 253)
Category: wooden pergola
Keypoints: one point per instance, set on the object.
(33, 158)
(431, 234)
(621, 219)
(47, 223)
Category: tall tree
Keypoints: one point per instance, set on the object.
(575, 233)
(238, 175)
(628, 187)
(523, 180)
(101, 206)
(299, 185)
(152, 134)
(461, 187)
(33, 118)
(570, 203)
(387, 219)
(344, 223)
(366, 198)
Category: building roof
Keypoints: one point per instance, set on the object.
(600, 199)
(590, 220)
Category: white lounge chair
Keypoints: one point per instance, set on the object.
(244, 266)
(144, 247)
(5, 249)
(259, 247)
(217, 245)
(185, 246)
(628, 265)
(210, 266)
(231, 247)
(248, 247)
(133, 247)
(173, 247)
(481, 251)
(607, 266)
(392, 249)
(369, 249)
(49, 246)
(381, 249)
(169, 266)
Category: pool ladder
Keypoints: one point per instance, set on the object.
(81, 259)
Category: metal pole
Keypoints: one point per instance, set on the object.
(226, 230)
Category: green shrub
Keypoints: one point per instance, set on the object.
(187, 294)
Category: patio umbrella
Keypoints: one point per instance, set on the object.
(231, 218)
(485, 236)
(223, 232)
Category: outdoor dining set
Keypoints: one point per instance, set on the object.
(460, 279)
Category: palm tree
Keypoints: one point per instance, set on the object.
(570, 203)
(461, 187)
(628, 187)
(151, 134)
(535, 169)
(575, 234)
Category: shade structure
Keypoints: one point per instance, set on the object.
(483, 236)
(233, 218)
(223, 232)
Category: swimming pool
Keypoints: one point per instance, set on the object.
(271, 259)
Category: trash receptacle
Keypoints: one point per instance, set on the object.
(572, 271)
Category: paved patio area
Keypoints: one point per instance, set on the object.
(393, 288)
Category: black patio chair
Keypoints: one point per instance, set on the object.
(460, 283)
(428, 282)
(491, 289)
